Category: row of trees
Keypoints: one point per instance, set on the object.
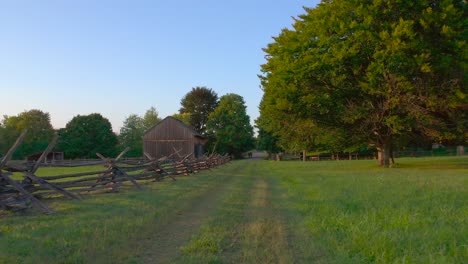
(82, 137)
(377, 73)
(224, 121)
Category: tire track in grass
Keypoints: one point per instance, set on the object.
(166, 243)
(246, 228)
(265, 237)
(218, 240)
(303, 246)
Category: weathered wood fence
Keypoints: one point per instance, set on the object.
(27, 192)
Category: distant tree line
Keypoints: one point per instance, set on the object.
(223, 121)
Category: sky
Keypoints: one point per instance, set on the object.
(115, 57)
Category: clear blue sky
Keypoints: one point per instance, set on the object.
(70, 57)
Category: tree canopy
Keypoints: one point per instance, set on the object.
(374, 70)
(39, 128)
(199, 103)
(268, 142)
(85, 135)
(151, 118)
(230, 125)
(133, 129)
(185, 118)
(131, 135)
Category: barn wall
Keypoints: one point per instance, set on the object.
(169, 129)
(168, 136)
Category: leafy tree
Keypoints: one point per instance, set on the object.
(131, 135)
(378, 70)
(268, 142)
(199, 103)
(134, 126)
(298, 135)
(85, 135)
(335, 141)
(185, 118)
(292, 132)
(39, 128)
(151, 118)
(230, 125)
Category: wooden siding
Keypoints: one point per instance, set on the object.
(171, 135)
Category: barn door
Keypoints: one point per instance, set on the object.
(198, 150)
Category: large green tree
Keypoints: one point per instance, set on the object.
(85, 135)
(377, 70)
(39, 128)
(131, 135)
(268, 142)
(199, 103)
(230, 125)
(134, 126)
(151, 118)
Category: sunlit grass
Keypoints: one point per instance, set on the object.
(415, 213)
(81, 230)
(314, 212)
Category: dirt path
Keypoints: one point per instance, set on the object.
(260, 234)
(166, 243)
(266, 238)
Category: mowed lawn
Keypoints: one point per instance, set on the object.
(255, 211)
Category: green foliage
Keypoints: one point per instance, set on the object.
(376, 70)
(133, 129)
(86, 135)
(267, 142)
(199, 103)
(230, 125)
(185, 118)
(131, 135)
(39, 134)
(151, 118)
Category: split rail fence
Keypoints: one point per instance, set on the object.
(28, 192)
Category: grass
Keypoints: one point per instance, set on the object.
(81, 230)
(53, 171)
(264, 212)
(413, 214)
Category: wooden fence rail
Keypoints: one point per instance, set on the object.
(22, 194)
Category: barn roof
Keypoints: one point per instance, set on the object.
(195, 133)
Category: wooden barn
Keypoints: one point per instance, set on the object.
(172, 135)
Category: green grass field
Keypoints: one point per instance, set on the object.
(255, 211)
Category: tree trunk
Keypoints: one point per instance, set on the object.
(392, 161)
(384, 155)
(304, 155)
(277, 157)
(350, 156)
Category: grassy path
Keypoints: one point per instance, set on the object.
(247, 228)
(265, 235)
(256, 211)
(166, 242)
